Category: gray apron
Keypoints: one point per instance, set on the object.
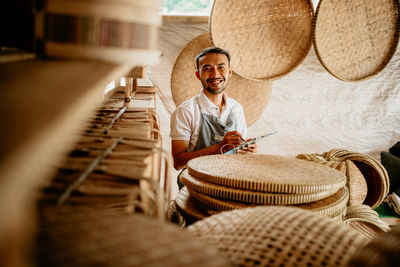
(212, 131)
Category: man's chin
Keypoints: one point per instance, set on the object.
(215, 91)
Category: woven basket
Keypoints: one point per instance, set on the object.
(279, 236)
(374, 173)
(266, 173)
(267, 39)
(383, 251)
(249, 196)
(252, 95)
(355, 40)
(118, 31)
(73, 236)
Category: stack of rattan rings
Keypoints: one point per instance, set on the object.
(225, 182)
(368, 185)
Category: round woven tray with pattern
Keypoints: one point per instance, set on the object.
(355, 40)
(252, 95)
(329, 207)
(266, 39)
(188, 209)
(248, 196)
(279, 236)
(266, 173)
(76, 236)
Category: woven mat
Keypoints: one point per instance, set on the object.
(266, 173)
(355, 40)
(248, 196)
(252, 95)
(279, 236)
(74, 236)
(267, 39)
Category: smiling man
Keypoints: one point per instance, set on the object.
(211, 122)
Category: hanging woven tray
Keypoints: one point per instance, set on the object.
(355, 40)
(329, 207)
(252, 95)
(266, 173)
(266, 39)
(279, 236)
(248, 196)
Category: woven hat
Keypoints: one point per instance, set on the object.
(383, 251)
(118, 32)
(374, 173)
(267, 39)
(252, 95)
(277, 236)
(74, 236)
(266, 173)
(355, 40)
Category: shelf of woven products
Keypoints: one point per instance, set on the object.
(118, 162)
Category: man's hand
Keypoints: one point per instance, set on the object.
(249, 149)
(231, 140)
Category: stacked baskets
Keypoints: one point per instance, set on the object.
(225, 182)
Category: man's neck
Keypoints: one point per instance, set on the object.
(216, 99)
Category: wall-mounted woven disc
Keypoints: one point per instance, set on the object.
(355, 40)
(248, 196)
(266, 39)
(266, 173)
(279, 236)
(253, 95)
(329, 207)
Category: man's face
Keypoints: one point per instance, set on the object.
(214, 72)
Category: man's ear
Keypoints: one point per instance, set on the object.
(230, 71)
(198, 75)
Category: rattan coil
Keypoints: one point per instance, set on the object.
(248, 196)
(355, 40)
(252, 95)
(383, 251)
(74, 236)
(279, 236)
(330, 207)
(266, 173)
(267, 39)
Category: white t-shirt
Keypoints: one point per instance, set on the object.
(185, 120)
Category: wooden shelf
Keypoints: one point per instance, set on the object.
(44, 104)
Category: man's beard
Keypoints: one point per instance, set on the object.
(213, 91)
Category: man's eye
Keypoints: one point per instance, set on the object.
(221, 67)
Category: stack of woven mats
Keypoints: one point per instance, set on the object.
(218, 183)
(368, 185)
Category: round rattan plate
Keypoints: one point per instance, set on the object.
(266, 39)
(266, 173)
(355, 40)
(248, 196)
(252, 95)
(279, 236)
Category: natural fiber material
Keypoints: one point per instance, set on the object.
(383, 251)
(355, 40)
(374, 173)
(266, 173)
(73, 236)
(254, 96)
(330, 207)
(248, 196)
(267, 39)
(187, 208)
(276, 236)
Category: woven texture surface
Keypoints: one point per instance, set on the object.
(355, 39)
(252, 95)
(276, 236)
(72, 236)
(249, 196)
(266, 173)
(266, 39)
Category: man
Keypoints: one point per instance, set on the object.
(211, 122)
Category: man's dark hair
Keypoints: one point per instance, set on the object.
(209, 50)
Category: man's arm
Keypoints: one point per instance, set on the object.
(181, 156)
